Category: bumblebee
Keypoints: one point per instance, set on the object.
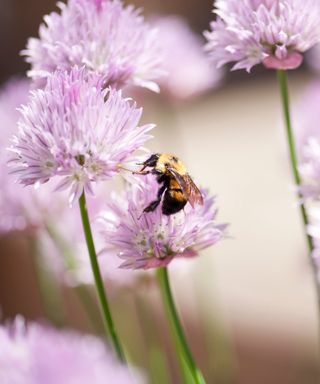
(177, 188)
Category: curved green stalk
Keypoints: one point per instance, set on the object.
(191, 372)
(283, 84)
(104, 305)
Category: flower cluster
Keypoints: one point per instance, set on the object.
(152, 239)
(77, 130)
(188, 71)
(103, 35)
(20, 208)
(35, 354)
(272, 32)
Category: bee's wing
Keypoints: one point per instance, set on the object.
(188, 187)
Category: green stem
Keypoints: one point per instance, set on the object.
(283, 83)
(105, 309)
(184, 352)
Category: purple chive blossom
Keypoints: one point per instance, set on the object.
(20, 208)
(105, 36)
(272, 32)
(35, 354)
(77, 131)
(188, 72)
(149, 240)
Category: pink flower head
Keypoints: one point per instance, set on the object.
(103, 35)
(188, 71)
(76, 130)
(272, 32)
(20, 208)
(35, 354)
(149, 240)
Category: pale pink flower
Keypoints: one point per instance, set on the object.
(20, 208)
(36, 354)
(149, 240)
(188, 72)
(76, 131)
(273, 32)
(105, 36)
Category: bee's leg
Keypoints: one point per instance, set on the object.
(153, 205)
(141, 172)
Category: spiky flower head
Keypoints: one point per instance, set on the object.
(189, 73)
(77, 131)
(149, 240)
(20, 209)
(105, 36)
(272, 32)
(35, 354)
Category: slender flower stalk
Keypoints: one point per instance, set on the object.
(189, 366)
(283, 84)
(105, 309)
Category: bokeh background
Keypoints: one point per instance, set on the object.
(248, 303)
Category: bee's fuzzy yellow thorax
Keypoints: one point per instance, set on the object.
(173, 161)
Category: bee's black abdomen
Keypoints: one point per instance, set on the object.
(173, 202)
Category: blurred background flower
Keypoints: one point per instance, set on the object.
(188, 72)
(105, 36)
(34, 354)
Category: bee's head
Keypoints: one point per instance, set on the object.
(152, 160)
